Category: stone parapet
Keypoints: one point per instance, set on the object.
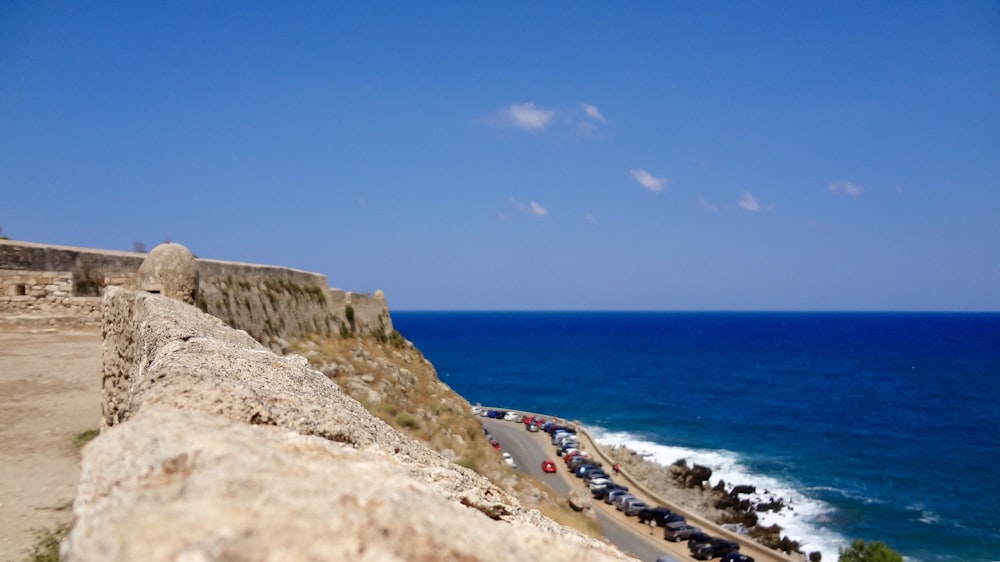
(214, 448)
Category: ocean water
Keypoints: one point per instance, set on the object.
(874, 426)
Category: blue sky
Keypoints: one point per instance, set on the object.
(534, 155)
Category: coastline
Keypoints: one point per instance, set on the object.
(655, 481)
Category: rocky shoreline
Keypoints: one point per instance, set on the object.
(724, 503)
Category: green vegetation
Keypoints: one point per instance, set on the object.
(46, 546)
(407, 421)
(202, 304)
(349, 313)
(870, 552)
(396, 339)
(88, 283)
(81, 439)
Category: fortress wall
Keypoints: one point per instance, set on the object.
(28, 256)
(362, 313)
(273, 304)
(212, 448)
(46, 296)
(40, 283)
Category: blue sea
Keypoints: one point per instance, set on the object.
(879, 426)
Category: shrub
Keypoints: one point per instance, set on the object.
(397, 339)
(408, 421)
(871, 552)
(46, 546)
(81, 439)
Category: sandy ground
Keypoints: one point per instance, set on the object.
(50, 389)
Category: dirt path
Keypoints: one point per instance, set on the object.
(50, 386)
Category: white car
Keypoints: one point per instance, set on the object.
(598, 483)
(509, 460)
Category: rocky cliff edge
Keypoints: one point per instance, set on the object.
(214, 448)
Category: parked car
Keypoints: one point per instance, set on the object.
(602, 492)
(567, 446)
(661, 515)
(561, 434)
(697, 538)
(565, 440)
(585, 469)
(593, 475)
(531, 427)
(593, 481)
(677, 531)
(556, 427)
(512, 416)
(509, 460)
(568, 451)
(578, 461)
(715, 546)
(599, 484)
(495, 444)
(634, 507)
(548, 466)
(737, 556)
(613, 495)
(620, 501)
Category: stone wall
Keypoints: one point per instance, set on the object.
(48, 284)
(28, 256)
(214, 448)
(272, 304)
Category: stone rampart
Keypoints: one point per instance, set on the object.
(214, 448)
(41, 283)
(272, 304)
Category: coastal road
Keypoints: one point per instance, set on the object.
(530, 449)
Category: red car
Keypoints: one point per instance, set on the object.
(548, 466)
(495, 444)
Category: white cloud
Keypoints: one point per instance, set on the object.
(647, 180)
(593, 112)
(707, 204)
(531, 208)
(537, 209)
(529, 116)
(748, 202)
(845, 187)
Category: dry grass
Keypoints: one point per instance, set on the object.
(397, 384)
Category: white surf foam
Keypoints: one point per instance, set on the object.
(802, 518)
